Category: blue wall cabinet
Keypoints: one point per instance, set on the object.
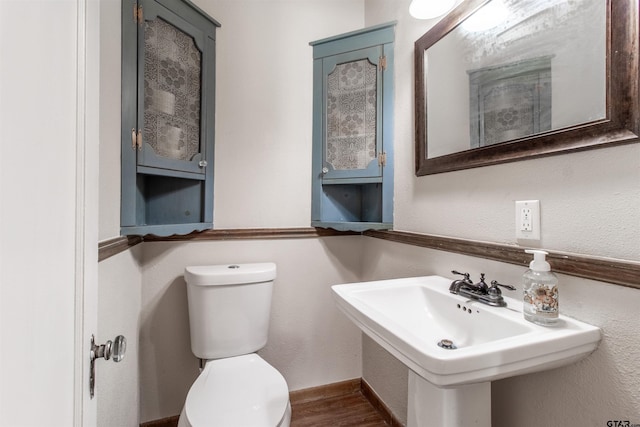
(168, 100)
(352, 170)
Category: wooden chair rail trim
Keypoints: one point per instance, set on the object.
(111, 247)
(252, 233)
(620, 272)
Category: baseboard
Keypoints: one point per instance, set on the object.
(380, 406)
(325, 391)
(343, 388)
(164, 422)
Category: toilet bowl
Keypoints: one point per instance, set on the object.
(241, 391)
(229, 309)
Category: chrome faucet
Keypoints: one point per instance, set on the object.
(491, 295)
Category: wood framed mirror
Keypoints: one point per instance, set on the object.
(506, 92)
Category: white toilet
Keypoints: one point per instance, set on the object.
(229, 307)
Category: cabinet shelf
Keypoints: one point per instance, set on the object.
(168, 172)
(358, 227)
(344, 181)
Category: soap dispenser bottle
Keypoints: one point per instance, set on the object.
(540, 291)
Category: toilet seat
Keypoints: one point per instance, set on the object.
(237, 392)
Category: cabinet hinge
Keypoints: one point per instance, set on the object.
(137, 14)
(383, 63)
(136, 139)
(382, 159)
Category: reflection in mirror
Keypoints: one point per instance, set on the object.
(503, 80)
(510, 101)
(511, 73)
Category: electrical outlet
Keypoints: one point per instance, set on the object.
(528, 220)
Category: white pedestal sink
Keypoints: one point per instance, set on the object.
(451, 387)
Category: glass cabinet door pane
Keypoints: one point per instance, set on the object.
(351, 115)
(172, 95)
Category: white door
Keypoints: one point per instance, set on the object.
(87, 167)
(48, 210)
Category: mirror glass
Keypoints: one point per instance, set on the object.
(516, 68)
(504, 80)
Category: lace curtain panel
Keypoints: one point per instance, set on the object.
(351, 115)
(172, 75)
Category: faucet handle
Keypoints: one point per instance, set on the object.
(467, 279)
(495, 284)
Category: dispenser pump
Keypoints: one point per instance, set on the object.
(539, 262)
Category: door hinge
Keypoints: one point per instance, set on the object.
(137, 14)
(382, 159)
(383, 63)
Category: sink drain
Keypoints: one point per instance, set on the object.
(447, 344)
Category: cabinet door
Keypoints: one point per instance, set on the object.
(352, 113)
(171, 64)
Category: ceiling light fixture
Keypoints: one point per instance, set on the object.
(429, 9)
(490, 15)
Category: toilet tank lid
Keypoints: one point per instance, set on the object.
(229, 274)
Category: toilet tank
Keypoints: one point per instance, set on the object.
(229, 308)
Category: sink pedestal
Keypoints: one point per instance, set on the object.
(462, 406)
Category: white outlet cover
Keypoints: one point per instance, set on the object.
(528, 229)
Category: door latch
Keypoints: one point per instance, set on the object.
(115, 348)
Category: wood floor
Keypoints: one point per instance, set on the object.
(350, 410)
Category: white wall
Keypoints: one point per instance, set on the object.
(119, 302)
(120, 277)
(264, 105)
(37, 211)
(590, 204)
(110, 87)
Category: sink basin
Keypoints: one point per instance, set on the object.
(410, 317)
